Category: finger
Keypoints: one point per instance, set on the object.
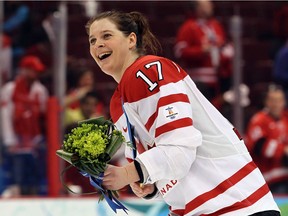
(135, 185)
(105, 186)
(108, 170)
(137, 190)
(148, 190)
(107, 182)
(108, 185)
(143, 194)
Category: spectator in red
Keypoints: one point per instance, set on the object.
(202, 49)
(23, 109)
(267, 140)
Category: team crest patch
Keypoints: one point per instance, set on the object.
(171, 112)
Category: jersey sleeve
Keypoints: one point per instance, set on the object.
(166, 113)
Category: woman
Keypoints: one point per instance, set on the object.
(185, 150)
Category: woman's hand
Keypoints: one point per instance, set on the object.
(116, 178)
(142, 190)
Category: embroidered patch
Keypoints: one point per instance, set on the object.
(171, 112)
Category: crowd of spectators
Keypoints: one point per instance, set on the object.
(26, 76)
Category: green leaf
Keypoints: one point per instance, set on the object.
(65, 155)
(98, 121)
(115, 144)
(115, 193)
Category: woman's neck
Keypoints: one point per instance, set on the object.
(128, 63)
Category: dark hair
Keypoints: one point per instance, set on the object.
(74, 74)
(192, 5)
(89, 94)
(128, 23)
(272, 87)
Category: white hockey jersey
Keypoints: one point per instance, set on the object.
(190, 151)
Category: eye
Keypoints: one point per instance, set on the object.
(107, 36)
(92, 41)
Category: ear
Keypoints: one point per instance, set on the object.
(132, 40)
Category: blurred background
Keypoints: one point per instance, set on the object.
(49, 82)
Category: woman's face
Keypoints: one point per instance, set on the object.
(204, 9)
(110, 48)
(87, 79)
(275, 103)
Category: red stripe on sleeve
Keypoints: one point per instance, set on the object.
(151, 120)
(184, 122)
(140, 147)
(179, 212)
(221, 188)
(253, 198)
(129, 159)
(164, 101)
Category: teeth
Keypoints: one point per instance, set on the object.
(103, 54)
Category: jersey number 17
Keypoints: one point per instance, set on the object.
(141, 74)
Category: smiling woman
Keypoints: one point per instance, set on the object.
(116, 41)
(182, 149)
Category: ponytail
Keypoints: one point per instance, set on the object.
(146, 40)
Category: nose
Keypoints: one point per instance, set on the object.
(99, 44)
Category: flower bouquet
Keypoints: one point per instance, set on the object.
(89, 147)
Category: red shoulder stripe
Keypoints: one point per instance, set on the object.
(172, 99)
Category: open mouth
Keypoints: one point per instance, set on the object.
(105, 55)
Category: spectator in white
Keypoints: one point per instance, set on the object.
(23, 103)
(5, 59)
